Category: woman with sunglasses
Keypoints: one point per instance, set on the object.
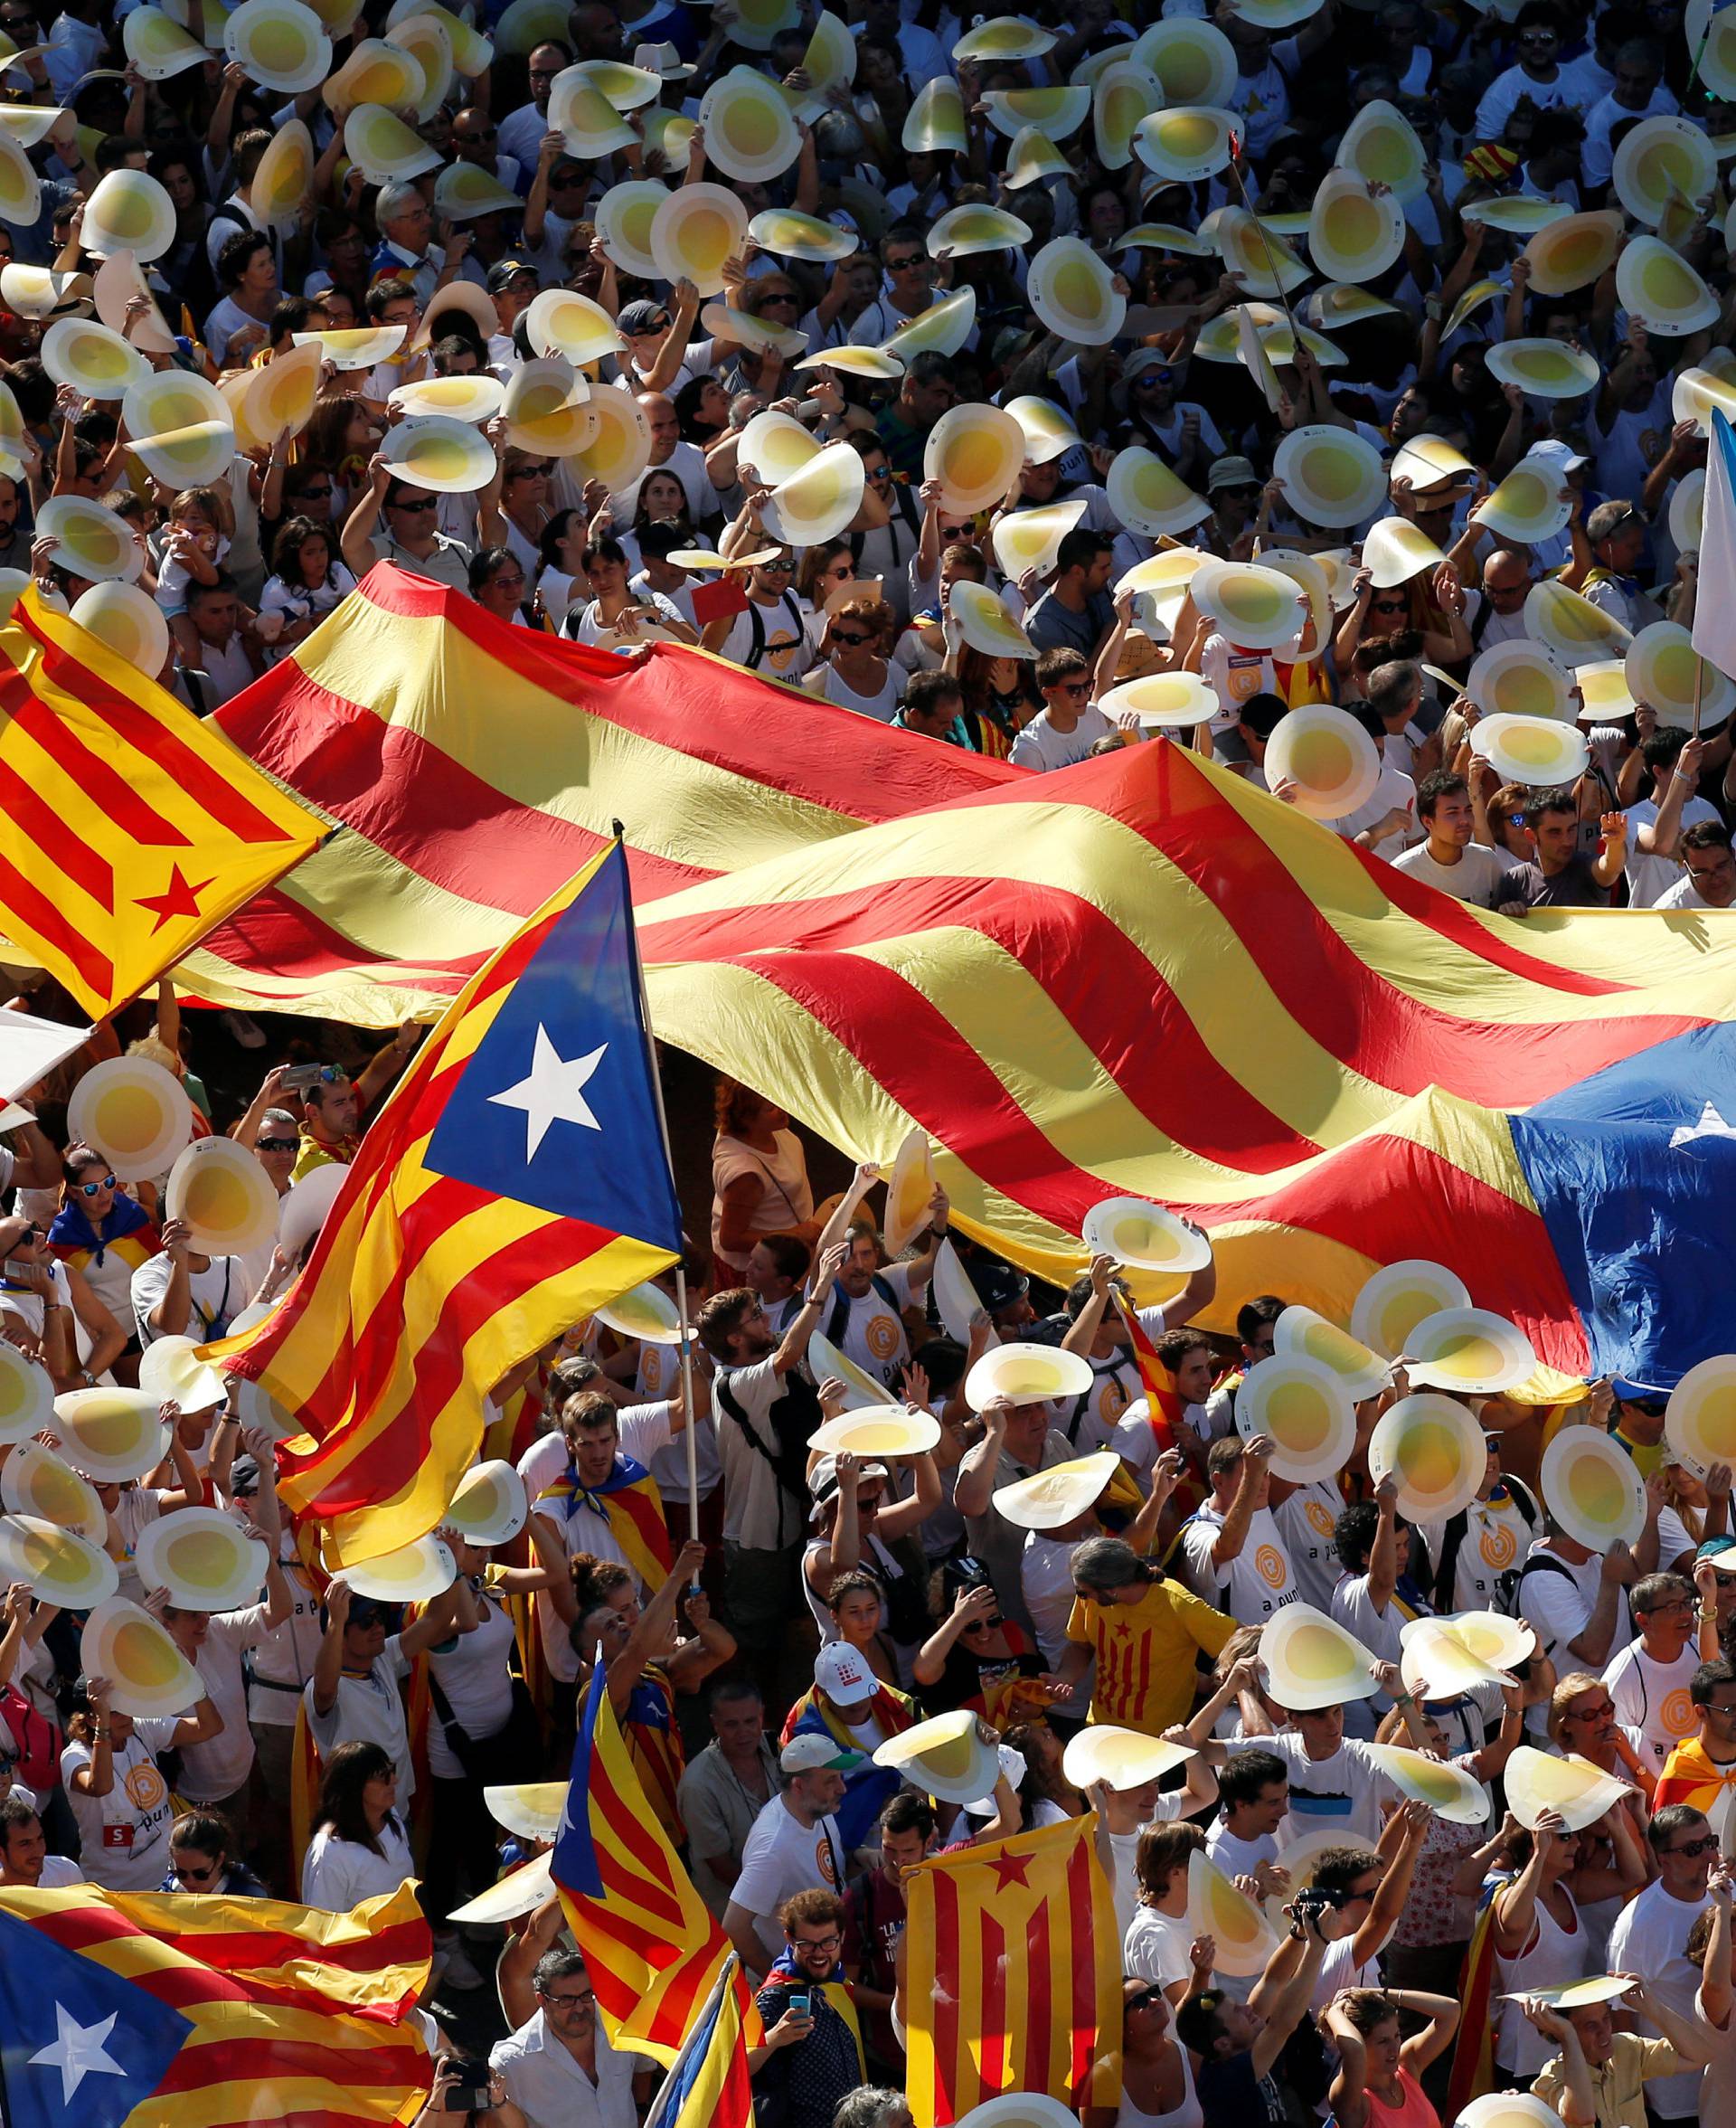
(100, 1231)
(856, 673)
(360, 1849)
(202, 1859)
(1542, 1937)
(1156, 2070)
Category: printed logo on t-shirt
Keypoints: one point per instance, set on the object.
(1675, 1716)
(651, 1370)
(1498, 1545)
(823, 1856)
(1268, 1564)
(1319, 1517)
(882, 1334)
(143, 1786)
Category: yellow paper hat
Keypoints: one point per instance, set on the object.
(1048, 432)
(1396, 550)
(1276, 15)
(909, 1190)
(1660, 290)
(1121, 96)
(1532, 504)
(585, 118)
(1306, 1409)
(985, 623)
(1004, 37)
(1164, 580)
(1053, 112)
(745, 330)
(36, 1481)
(523, 1891)
(621, 448)
(1604, 692)
(788, 234)
(1573, 253)
(337, 17)
(172, 1372)
(284, 177)
(1185, 143)
(134, 1112)
(1331, 476)
(1471, 1350)
(100, 546)
(225, 1197)
(426, 41)
(1166, 236)
(1240, 1929)
(1693, 397)
(1148, 498)
(1381, 145)
(775, 445)
(830, 61)
(1265, 262)
(1026, 1374)
(1119, 1758)
(673, 137)
(1032, 157)
(1434, 1448)
(873, 1430)
(1308, 1335)
(1030, 539)
(158, 47)
(284, 46)
(27, 124)
(1687, 510)
(374, 72)
(414, 1573)
(1700, 1420)
(129, 211)
(147, 1674)
(281, 394)
(694, 230)
(1661, 670)
(818, 502)
(1307, 574)
(941, 329)
(963, 232)
(1710, 33)
(462, 191)
(548, 409)
(1340, 303)
(1517, 213)
(1489, 1639)
(1149, 1237)
(624, 217)
(447, 457)
(463, 398)
(1520, 679)
(1532, 751)
(1508, 2109)
(1538, 1780)
(27, 1396)
(1354, 234)
(643, 1311)
(757, 22)
(354, 347)
(21, 202)
(1310, 1660)
(111, 1435)
(1194, 60)
(1448, 1790)
(1572, 627)
(131, 624)
(1546, 369)
(382, 147)
(472, 54)
(529, 1809)
(59, 1568)
(1256, 609)
(976, 453)
(202, 1559)
(864, 1392)
(627, 88)
(946, 1757)
(1474, 298)
(491, 1505)
(561, 322)
(1163, 700)
(1659, 156)
(1329, 757)
(1592, 1487)
(95, 361)
(936, 121)
(749, 133)
(1400, 1296)
(854, 361)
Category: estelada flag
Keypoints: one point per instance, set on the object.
(297, 2015)
(1012, 1979)
(515, 1180)
(128, 828)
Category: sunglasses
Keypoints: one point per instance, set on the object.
(91, 1190)
(409, 509)
(1075, 687)
(317, 495)
(540, 472)
(777, 568)
(1708, 1845)
(793, 301)
(855, 639)
(1389, 605)
(191, 1875)
(1594, 1713)
(277, 1145)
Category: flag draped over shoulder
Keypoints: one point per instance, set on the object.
(290, 2014)
(654, 1950)
(516, 1179)
(1142, 975)
(629, 1502)
(467, 768)
(128, 828)
(1012, 1979)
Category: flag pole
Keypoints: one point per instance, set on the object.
(619, 833)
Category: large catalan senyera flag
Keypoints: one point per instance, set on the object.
(162, 2010)
(517, 1177)
(652, 1948)
(1013, 1974)
(467, 768)
(127, 826)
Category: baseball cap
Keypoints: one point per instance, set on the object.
(1639, 1393)
(1721, 1551)
(1233, 472)
(504, 271)
(813, 1753)
(641, 316)
(823, 1478)
(998, 1285)
(1558, 454)
(843, 1674)
(244, 1477)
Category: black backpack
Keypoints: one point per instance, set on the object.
(1453, 1536)
(793, 1416)
(1506, 1584)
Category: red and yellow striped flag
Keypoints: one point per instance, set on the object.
(298, 2015)
(128, 828)
(1013, 1979)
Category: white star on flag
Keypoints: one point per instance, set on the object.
(553, 1091)
(78, 2052)
(1710, 1125)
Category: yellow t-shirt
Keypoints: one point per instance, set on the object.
(1145, 1654)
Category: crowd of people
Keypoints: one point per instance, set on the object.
(1036, 384)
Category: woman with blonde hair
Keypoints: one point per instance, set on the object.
(856, 673)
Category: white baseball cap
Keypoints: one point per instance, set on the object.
(843, 1674)
(811, 1753)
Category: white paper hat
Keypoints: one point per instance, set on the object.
(1245, 1939)
(1310, 1660)
(1434, 1447)
(1700, 1421)
(1538, 1780)
(1119, 1758)
(147, 1674)
(1354, 232)
(1327, 756)
(133, 1111)
(1304, 1408)
(1593, 1489)
(1448, 1791)
(1362, 1370)
(1537, 751)
(946, 1757)
(1026, 1374)
(1051, 1499)
(202, 1559)
(1331, 476)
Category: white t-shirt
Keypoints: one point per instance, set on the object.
(1558, 1600)
(218, 1293)
(1650, 877)
(757, 1513)
(1473, 879)
(1340, 1794)
(1251, 1587)
(780, 1856)
(1648, 1939)
(287, 1653)
(873, 1331)
(1306, 1523)
(338, 1874)
(1136, 1444)
(124, 1836)
(1684, 894)
(1496, 1534)
(370, 1709)
(790, 631)
(1653, 1697)
(471, 1670)
(1236, 1856)
(1394, 790)
(1155, 1947)
(210, 1772)
(1040, 746)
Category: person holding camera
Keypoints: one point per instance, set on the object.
(1237, 2047)
(462, 2093)
(812, 2056)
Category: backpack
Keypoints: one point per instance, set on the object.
(756, 655)
(836, 1322)
(1453, 1536)
(793, 1416)
(1507, 1583)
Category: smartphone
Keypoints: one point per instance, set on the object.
(470, 2094)
(801, 2005)
(299, 1077)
